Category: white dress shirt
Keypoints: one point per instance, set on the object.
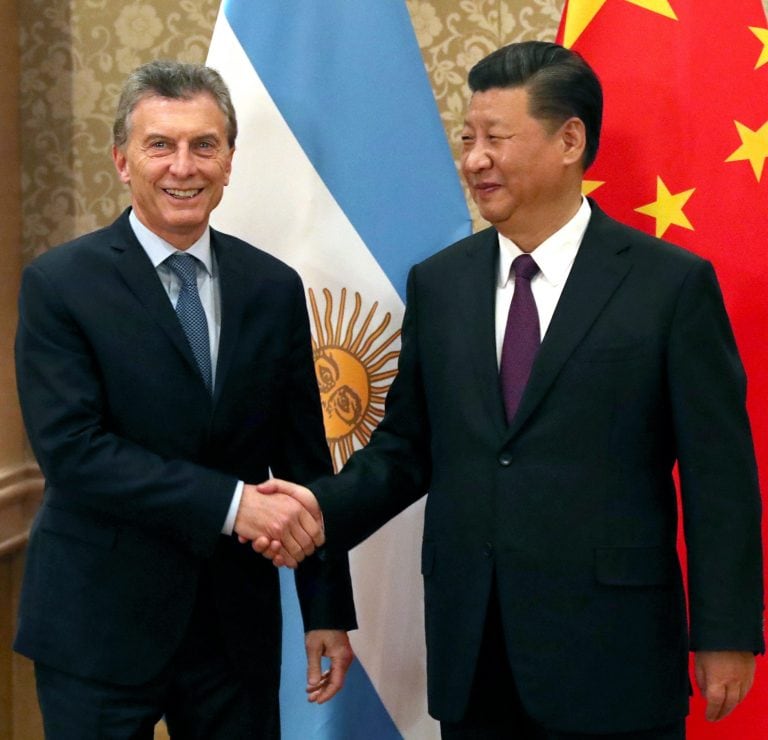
(158, 250)
(554, 256)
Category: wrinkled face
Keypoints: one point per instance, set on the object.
(176, 162)
(514, 164)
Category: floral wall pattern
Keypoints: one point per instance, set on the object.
(75, 54)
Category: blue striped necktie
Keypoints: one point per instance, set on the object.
(190, 311)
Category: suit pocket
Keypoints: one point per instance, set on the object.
(634, 566)
(66, 524)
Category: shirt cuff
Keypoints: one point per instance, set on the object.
(229, 522)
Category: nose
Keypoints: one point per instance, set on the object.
(183, 163)
(475, 157)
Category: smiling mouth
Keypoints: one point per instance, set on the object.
(183, 194)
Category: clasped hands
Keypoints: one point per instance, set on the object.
(281, 520)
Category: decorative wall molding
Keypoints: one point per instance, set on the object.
(21, 490)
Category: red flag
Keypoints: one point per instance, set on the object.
(683, 156)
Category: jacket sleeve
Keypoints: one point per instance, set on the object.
(394, 469)
(718, 472)
(300, 453)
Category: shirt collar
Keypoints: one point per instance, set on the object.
(554, 255)
(158, 250)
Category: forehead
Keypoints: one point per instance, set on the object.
(498, 105)
(157, 113)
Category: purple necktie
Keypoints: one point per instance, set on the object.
(521, 337)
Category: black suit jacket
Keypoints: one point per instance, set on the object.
(573, 503)
(141, 463)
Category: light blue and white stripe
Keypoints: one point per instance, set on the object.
(342, 170)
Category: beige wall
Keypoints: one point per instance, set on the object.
(11, 441)
(19, 482)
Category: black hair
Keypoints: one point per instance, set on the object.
(560, 85)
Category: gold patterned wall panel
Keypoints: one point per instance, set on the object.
(75, 54)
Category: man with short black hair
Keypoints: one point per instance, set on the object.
(554, 368)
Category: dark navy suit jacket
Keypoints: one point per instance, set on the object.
(573, 504)
(141, 463)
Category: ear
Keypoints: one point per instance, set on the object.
(121, 164)
(574, 137)
(228, 165)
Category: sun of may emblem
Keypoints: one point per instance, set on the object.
(354, 367)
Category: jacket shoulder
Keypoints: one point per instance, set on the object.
(252, 257)
(81, 259)
(481, 241)
(615, 234)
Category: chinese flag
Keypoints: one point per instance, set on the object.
(682, 156)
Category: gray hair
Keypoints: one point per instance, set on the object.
(174, 80)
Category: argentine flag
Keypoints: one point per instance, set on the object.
(343, 171)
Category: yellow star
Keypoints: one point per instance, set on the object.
(589, 186)
(579, 15)
(662, 7)
(754, 147)
(582, 12)
(762, 34)
(667, 209)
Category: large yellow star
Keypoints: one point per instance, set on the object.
(667, 209)
(762, 35)
(582, 12)
(754, 147)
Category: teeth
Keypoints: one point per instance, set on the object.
(183, 193)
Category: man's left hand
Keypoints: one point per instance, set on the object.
(724, 678)
(333, 644)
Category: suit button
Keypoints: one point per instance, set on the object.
(488, 550)
(505, 459)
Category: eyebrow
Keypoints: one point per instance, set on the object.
(159, 135)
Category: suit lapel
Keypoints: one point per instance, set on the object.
(598, 270)
(476, 303)
(235, 285)
(141, 278)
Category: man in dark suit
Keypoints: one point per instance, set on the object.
(162, 366)
(554, 599)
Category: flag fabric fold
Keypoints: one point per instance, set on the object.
(343, 171)
(684, 144)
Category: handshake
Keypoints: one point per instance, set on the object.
(281, 520)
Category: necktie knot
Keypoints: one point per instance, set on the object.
(524, 266)
(185, 266)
